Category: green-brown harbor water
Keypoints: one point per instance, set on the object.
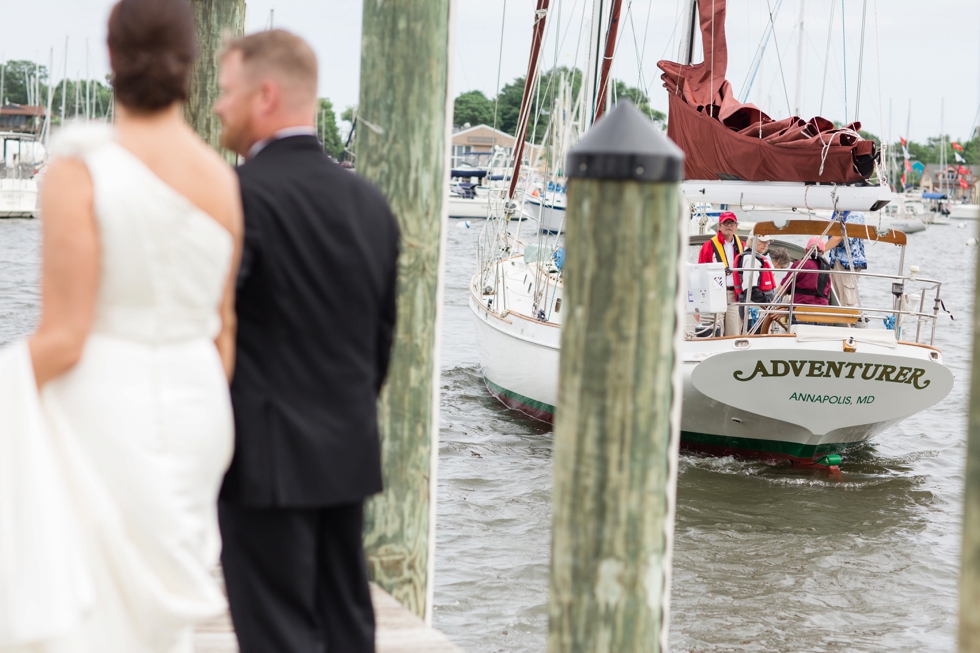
(767, 558)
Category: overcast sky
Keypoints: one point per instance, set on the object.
(924, 52)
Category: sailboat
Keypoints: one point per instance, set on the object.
(799, 383)
(18, 184)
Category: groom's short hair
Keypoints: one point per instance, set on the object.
(279, 54)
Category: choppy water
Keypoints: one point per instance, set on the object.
(767, 558)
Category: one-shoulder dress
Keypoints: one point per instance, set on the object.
(109, 477)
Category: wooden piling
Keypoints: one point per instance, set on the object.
(215, 19)
(403, 123)
(616, 436)
(969, 626)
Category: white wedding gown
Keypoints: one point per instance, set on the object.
(109, 478)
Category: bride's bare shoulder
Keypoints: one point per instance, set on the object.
(214, 185)
(67, 177)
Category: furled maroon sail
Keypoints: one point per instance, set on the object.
(725, 139)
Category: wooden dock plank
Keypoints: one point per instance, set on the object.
(398, 631)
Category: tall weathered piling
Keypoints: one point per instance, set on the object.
(617, 421)
(969, 628)
(215, 18)
(402, 146)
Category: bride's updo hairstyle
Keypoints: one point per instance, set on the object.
(152, 44)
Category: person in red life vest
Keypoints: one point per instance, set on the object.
(757, 269)
(726, 248)
(813, 288)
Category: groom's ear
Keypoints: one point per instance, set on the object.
(270, 96)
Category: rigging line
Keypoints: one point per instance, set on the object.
(673, 33)
(711, 81)
(554, 65)
(568, 29)
(800, 53)
(619, 43)
(500, 59)
(881, 104)
(641, 53)
(760, 51)
(670, 43)
(537, 101)
(843, 38)
(857, 103)
(826, 59)
(581, 86)
(779, 58)
(462, 67)
(602, 85)
(640, 81)
(646, 32)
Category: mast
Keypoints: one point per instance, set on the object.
(47, 111)
(88, 84)
(942, 144)
(864, 20)
(685, 54)
(799, 60)
(540, 14)
(891, 154)
(826, 59)
(607, 59)
(64, 83)
(591, 81)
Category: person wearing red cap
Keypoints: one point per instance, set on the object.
(725, 247)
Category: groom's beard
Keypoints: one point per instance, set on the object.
(234, 139)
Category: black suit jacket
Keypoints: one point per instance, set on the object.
(316, 313)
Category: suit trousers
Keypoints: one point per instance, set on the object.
(297, 578)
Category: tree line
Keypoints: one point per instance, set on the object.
(931, 150)
(475, 108)
(26, 83)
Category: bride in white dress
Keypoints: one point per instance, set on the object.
(115, 419)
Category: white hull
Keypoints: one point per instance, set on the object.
(519, 357)
(477, 208)
(550, 213)
(18, 198)
(908, 225)
(965, 211)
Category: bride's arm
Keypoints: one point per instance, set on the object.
(225, 342)
(69, 270)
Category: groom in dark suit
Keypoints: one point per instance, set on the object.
(316, 312)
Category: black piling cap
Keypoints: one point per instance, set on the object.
(624, 144)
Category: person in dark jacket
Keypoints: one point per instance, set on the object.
(316, 313)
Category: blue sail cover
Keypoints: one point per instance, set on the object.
(466, 173)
